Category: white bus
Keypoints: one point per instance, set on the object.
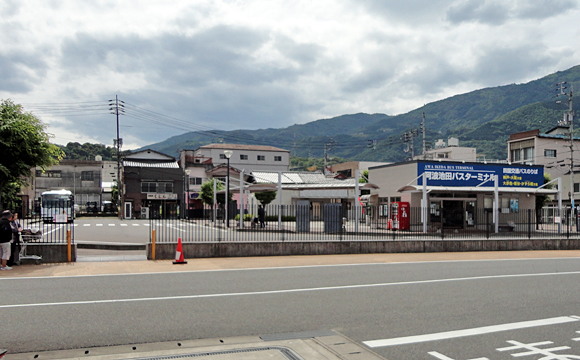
(57, 202)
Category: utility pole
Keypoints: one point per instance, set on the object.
(327, 148)
(407, 137)
(569, 120)
(117, 107)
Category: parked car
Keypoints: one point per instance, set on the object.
(92, 207)
(109, 208)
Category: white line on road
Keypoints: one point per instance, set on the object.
(124, 224)
(269, 292)
(86, 224)
(111, 224)
(468, 332)
(99, 225)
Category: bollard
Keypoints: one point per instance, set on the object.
(152, 244)
(68, 245)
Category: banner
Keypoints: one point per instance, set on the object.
(454, 174)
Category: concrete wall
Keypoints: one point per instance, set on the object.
(51, 253)
(166, 251)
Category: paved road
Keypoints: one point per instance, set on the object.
(533, 302)
(111, 229)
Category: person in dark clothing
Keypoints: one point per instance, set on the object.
(261, 216)
(5, 238)
(15, 250)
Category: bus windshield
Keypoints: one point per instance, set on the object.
(56, 200)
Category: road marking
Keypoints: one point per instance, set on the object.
(135, 224)
(111, 224)
(443, 357)
(124, 225)
(99, 224)
(286, 291)
(86, 224)
(468, 332)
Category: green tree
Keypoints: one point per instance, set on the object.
(364, 177)
(265, 197)
(207, 193)
(23, 144)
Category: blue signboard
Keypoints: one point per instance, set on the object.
(454, 174)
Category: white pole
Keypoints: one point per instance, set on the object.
(560, 204)
(214, 200)
(424, 203)
(242, 199)
(495, 208)
(279, 195)
(356, 199)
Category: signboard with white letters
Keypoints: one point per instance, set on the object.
(453, 174)
(153, 196)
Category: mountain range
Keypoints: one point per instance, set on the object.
(483, 119)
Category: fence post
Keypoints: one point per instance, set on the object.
(487, 224)
(69, 245)
(567, 223)
(529, 223)
(153, 244)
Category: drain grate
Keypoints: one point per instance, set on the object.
(286, 352)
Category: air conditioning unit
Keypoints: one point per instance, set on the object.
(144, 213)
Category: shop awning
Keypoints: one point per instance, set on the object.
(478, 189)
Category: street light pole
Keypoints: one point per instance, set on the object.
(228, 154)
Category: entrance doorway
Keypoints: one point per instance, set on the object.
(453, 214)
(128, 210)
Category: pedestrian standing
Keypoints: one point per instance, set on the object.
(5, 238)
(15, 248)
(261, 216)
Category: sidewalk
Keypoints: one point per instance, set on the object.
(207, 264)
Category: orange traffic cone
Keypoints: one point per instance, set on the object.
(179, 254)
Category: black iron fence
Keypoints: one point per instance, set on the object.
(339, 222)
(48, 225)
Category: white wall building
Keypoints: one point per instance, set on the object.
(247, 157)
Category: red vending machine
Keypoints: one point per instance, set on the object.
(400, 215)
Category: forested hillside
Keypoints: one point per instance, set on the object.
(482, 118)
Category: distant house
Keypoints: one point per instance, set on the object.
(247, 157)
(153, 185)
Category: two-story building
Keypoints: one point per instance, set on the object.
(152, 185)
(551, 150)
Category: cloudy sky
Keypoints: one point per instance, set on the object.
(242, 64)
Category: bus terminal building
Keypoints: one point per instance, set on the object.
(456, 194)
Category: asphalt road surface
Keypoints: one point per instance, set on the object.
(438, 310)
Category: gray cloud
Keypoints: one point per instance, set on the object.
(9, 8)
(495, 12)
(408, 11)
(498, 66)
(19, 72)
(486, 12)
(212, 78)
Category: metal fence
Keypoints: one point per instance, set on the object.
(337, 222)
(48, 230)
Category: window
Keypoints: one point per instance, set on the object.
(576, 187)
(550, 153)
(261, 157)
(87, 176)
(222, 156)
(154, 187)
(195, 181)
(48, 173)
(148, 187)
(243, 157)
(277, 158)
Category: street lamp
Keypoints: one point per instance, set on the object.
(228, 154)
